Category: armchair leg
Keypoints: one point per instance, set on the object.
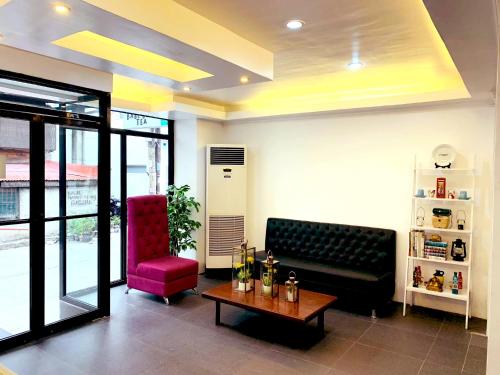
(127, 290)
(167, 302)
(195, 291)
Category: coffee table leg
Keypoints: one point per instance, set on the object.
(321, 322)
(217, 313)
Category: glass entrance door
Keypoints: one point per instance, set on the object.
(54, 207)
(71, 217)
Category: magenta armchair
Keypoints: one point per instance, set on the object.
(151, 268)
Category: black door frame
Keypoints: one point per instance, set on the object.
(37, 118)
(124, 133)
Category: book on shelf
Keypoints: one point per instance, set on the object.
(417, 243)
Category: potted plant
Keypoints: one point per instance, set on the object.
(244, 280)
(267, 284)
(82, 229)
(180, 224)
(115, 223)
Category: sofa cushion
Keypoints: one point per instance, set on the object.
(167, 268)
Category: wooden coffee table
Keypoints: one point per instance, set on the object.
(310, 305)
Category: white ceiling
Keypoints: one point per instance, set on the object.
(380, 32)
(405, 58)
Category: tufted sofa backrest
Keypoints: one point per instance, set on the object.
(147, 229)
(354, 247)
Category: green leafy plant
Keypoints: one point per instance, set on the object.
(115, 221)
(180, 224)
(82, 227)
(244, 275)
(266, 279)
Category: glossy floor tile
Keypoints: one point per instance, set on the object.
(144, 336)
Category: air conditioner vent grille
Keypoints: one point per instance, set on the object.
(227, 156)
(225, 232)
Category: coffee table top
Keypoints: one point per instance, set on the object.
(309, 306)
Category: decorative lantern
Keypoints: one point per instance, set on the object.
(269, 272)
(292, 288)
(243, 267)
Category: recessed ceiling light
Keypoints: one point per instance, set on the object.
(61, 8)
(355, 65)
(244, 79)
(186, 88)
(295, 24)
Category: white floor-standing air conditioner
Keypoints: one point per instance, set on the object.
(226, 204)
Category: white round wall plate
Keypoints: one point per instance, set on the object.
(444, 155)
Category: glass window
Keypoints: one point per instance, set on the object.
(147, 166)
(46, 97)
(14, 169)
(81, 172)
(142, 123)
(9, 203)
(14, 279)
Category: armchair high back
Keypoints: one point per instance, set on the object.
(151, 268)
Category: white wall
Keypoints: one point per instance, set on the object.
(493, 366)
(357, 169)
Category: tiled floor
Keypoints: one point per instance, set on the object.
(144, 336)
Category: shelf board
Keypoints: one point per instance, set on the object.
(444, 200)
(462, 296)
(432, 229)
(443, 171)
(450, 262)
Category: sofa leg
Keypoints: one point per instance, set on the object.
(167, 302)
(195, 291)
(127, 290)
(374, 314)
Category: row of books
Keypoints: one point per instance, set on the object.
(422, 248)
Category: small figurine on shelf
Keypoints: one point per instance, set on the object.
(454, 284)
(441, 187)
(435, 284)
(415, 277)
(432, 193)
(460, 281)
(451, 194)
(420, 278)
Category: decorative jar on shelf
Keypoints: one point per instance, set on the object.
(243, 268)
(292, 288)
(269, 273)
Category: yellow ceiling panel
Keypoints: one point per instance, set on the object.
(109, 49)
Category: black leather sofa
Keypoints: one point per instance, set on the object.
(356, 264)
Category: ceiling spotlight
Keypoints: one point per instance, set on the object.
(244, 79)
(61, 8)
(295, 24)
(186, 88)
(355, 65)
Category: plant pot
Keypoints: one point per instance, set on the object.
(267, 290)
(244, 287)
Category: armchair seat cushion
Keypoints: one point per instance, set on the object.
(167, 268)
